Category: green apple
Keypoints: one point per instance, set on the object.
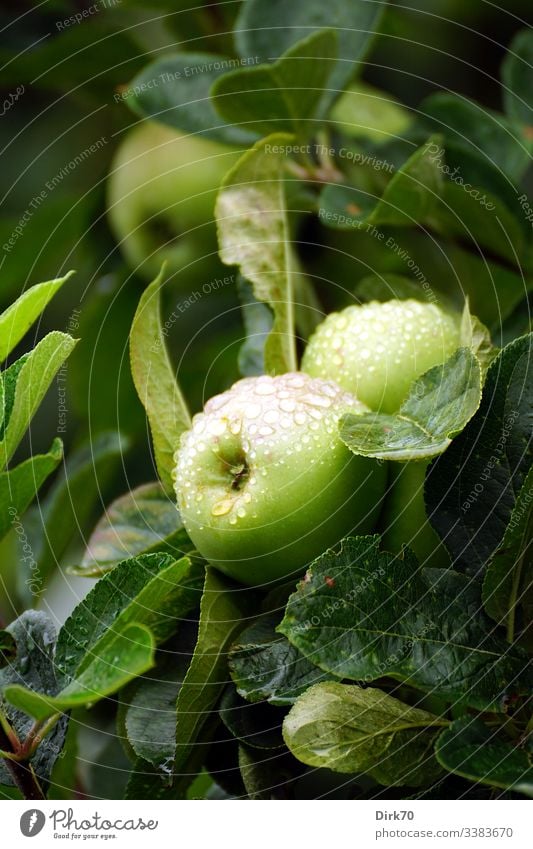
(265, 485)
(161, 195)
(378, 349)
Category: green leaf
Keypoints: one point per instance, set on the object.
(176, 91)
(154, 590)
(271, 777)
(508, 582)
(438, 406)
(18, 486)
(282, 96)
(253, 233)
(486, 134)
(19, 316)
(222, 610)
(67, 509)
(366, 112)
(126, 655)
(479, 217)
(257, 320)
(354, 730)
(142, 521)
(471, 490)
(34, 378)
(363, 614)
(258, 725)
(33, 667)
(470, 749)
(8, 388)
(155, 382)
(264, 665)
(517, 79)
(268, 30)
(150, 720)
(409, 198)
(476, 337)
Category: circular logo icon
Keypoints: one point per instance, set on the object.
(32, 822)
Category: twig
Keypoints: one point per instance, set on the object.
(23, 774)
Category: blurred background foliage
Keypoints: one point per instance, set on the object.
(66, 78)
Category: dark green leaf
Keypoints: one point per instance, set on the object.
(508, 582)
(363, 614)
(471, 490)
(257, 725)
(517, 78)
(111, 665)
(438, 406)
(176, 90)
(257, 320)
(222, 610)
(470, 749)
(264, 665)
(38, 370)
(150, 717)
(155, 382)
(354, 730)
(486, 134)
(67, 509)
(409, 198)
(153, 590)
(33, 667)
(140, 522)
(268, 30)
(19, 317)
(253, 233)
(268, 776)
(18, 486)
(282, 96)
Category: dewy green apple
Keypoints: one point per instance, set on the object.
(264, 483)
(378, 349)
(161, 196)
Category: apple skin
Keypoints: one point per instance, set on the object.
(265, 485)
(161, 195)
(378, 349)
